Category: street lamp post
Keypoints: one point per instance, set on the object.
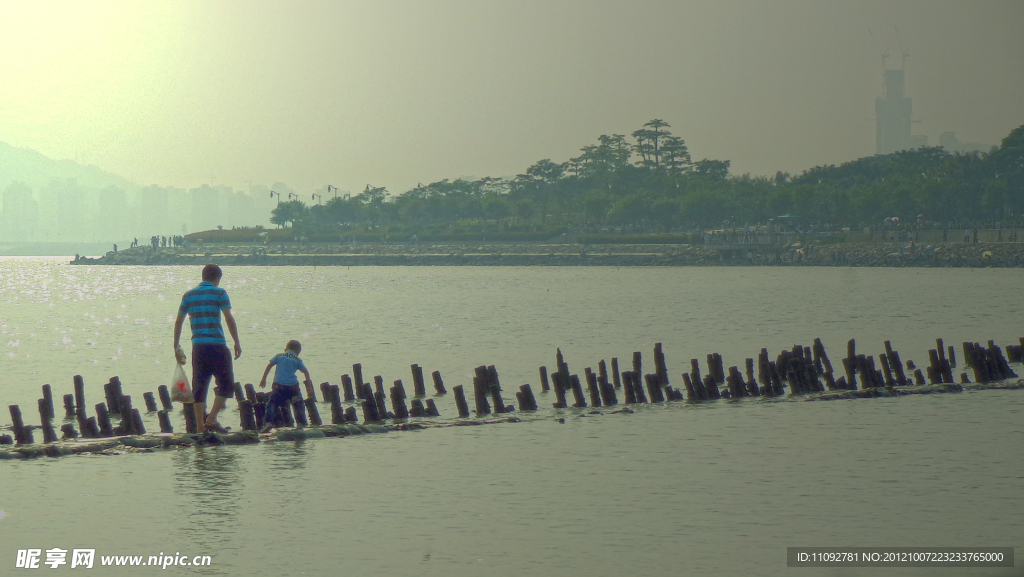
(317, 196)
(334, 189)
(272, 193)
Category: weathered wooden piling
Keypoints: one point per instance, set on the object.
(337, 414)
(150, 400)
(80, 402)
(627, 387)
(48, 399)
(69, 406)
(616, 376)
(103, 420)
(49, 436)
(952, 356)
(577, 391)
(431, 409)
(560, 386)
(165, 397)
(357, 374)
(380, 397)
(418, 386)
(351, 414)
(190, 417)
(313, 412)
(608, 396)
(460, 401)
(438, 383)
(592, 388)
(369, 404)
(637, 363)
(138, 427)
(638, 387)
(346, 383)
(544, 386)
(494, 386)
(416, 408)
(398, 400)
(481, 391)
(711, 387)
(654, 391)
(165, 421)
(659, 365)
(68, 431)
(527, 401)
(325, 391)
(691, 394)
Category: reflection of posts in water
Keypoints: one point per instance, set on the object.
(208, 481)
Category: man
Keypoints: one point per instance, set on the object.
(204, 306)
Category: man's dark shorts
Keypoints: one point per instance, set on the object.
(211, 360)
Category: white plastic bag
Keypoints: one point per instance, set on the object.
(180, 389)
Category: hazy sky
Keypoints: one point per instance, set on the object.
(393, 93)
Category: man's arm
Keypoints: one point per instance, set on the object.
(178, 322)
(233, 329)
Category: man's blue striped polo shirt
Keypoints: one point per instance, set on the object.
(203, 305)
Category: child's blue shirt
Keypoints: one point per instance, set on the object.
(287, 365)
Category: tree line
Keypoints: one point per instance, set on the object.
(648, 182)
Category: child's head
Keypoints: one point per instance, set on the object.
(294, 346)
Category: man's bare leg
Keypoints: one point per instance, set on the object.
(200, 409)
(218, 404)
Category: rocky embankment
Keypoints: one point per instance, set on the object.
(324, 254)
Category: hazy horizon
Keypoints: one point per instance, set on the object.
(394, 93)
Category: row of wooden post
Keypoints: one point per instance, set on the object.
(802, 368)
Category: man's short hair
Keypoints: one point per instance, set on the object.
(212, 272)
(294, 346)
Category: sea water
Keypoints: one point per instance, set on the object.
(697, 489)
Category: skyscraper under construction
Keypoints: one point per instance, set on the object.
(892, 118)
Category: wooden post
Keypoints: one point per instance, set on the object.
(48, 398)
(711, 387)
(560, 387)
(190, 418)
(659, 363)
(380, 398)
(314, 414)
(544, 386)
(310, 391)
(607, 390)
(654, 387)
(127, 426)
(250, 394)
(103, 420)
(138, 428)
(529, 401)
(350, 414)
(151, 401)
(627, 386)
(357, 372)
(346, 382)
(337, 414)
(325, 391)
(80, 401)
(398, 401)
(494, 386)
(438, 384)
(889, 381)
(431, 410)
(460, 401)
(416, 408)
(691, 394)
(592, 388)
(165, 421)
(577, 391)
(637, 365)
(480, 391)
(370, 412)
(44, 417)
(69, 406)
(111, 397)
(419, 388)
(615, 373)
(68, 431)
(165, 397)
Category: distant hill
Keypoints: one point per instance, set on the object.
(36, 169)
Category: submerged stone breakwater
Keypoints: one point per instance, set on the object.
(880, 254)
(807, 373)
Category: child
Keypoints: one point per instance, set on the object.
(286, 386)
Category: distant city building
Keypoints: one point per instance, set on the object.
(892, 118)
(951, 143)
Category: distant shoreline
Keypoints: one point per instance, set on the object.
(887, 254)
